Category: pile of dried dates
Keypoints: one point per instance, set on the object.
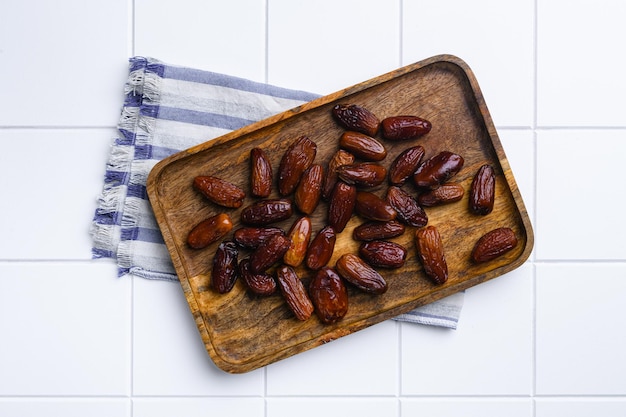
(343, 182)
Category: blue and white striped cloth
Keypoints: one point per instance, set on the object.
(168, 109)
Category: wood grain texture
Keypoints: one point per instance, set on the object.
(242, 333)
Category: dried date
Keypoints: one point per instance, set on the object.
(405, 165)
(264, 212)
(209, 230)
(493, 244)
(438, 170)
(296, 159)
(408, 209)
(225, 268)
(321, 248)
(329, 296)
(363, 146)
(483, 191)
(309, 190)
(268, 254)
(357, 272)
(341, 206)
(366, 174)
(299, 235)
(260, 284)
(431, 254)
(253, 237)
(370, 206)
(219, 191)
(357, 118)
(405, 127)
(340, 158)
(447, 193)
(383, 254)
(378, 230)
(261, 173)
(294, 292)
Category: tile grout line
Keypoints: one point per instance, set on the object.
(267, 41)
(533, 391)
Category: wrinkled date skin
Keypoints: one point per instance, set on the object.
(265, 212)
(209, 231)
(358, 273)
(225, 268)
(341, 206)
(298, 157)
(408, 209)
(329, 296)
(218, 191)
(309, 190)
(494, 244)
(430, 252)
(378, 230)
(483, 191)
(363, 146)
(261, 173)
(357, 118)
(321, 248)
(268, 254)
(366, 174)
(340, 158)
(383, 254)
(253, 237)
(294, 292)
(438, 170)
(299, 235)
(260, 284)
(404, 166)
(405, 127)
(372, 207)
(447, 193)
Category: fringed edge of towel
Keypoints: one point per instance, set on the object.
(114, 211)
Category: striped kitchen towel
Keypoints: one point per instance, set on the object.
(167, 109)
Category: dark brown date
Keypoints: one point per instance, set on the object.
(363, 146)
(370, 206)
(483, 191)
(261, 173)
(405, 165)
(260, 284)
(329, 296)
(209, 231)
(447, 193)
(265, 212)
(340, 158)
(321, 248)
(366, 174)
(225, 268)
(252, 237)
(298, 157)
(299, 235)
(269, 253)
(383, 254)
(341, 206)
(355, 117)
(405, 127)
(437, 170)
(309, 190)
(218, 191)
(408, 209)
(494, 244)
(431, 254)
(294, 292)
(357, 272)
(378, 230)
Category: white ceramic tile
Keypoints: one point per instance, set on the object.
(169, 357)
(62, 63)
(331, 407)
(467, 407)
(65, 329)
(580, 407)
(363, 363)
(580, 194)
(495, 38)
(581, 339)
(520, 152)
(66, 407)
(490, 353)
(580, 61)
(220, 36)
(325, 45)
(54, 178)
(198, 407)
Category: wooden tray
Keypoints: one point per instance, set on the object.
(242, 333)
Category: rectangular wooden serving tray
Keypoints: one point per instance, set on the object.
(242, 333)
